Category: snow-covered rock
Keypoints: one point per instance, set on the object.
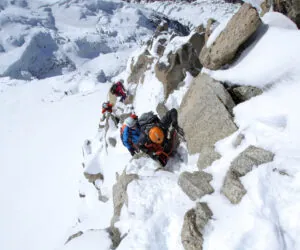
(252, 157)
(223, 50)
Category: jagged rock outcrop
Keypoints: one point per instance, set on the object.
(224, 49)
(244, 93)
(194, 222)
(119, 193)
(232, 188)
(185, 59)
(195, 184)
(139, 67)
(119, 199)
(205, 114)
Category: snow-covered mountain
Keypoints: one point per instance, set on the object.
(58, 59)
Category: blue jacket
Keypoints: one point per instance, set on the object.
(130, 136)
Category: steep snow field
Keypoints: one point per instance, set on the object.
(270, 121)
(85, 45)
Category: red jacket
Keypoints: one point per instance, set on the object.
(109, 109)
(120, 89)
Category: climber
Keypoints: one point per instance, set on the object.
(107, 111)
(154, 139)
(118, 90)
(130, 133)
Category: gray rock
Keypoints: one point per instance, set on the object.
(161, 109)
(120, 195)
(112, 141)
(119, 199)
(194, 222)
(232, 188)
(209, 28)
(244, 93)
(170, 75)
(237, 142)
(115, 236)
(73, 236)
(207, 156)
(200, 29)
(197, 41)
(101, 77)
(160, 50)
(139, 67)
(196, 184)
(185, 59)
(205, 114)
(93, 177)
(252, 156)
(224, 49)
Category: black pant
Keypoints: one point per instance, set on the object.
(169, 118)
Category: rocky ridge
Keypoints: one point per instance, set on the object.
(205, 114)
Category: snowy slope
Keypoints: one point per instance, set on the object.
(269, 121)
(44, 123)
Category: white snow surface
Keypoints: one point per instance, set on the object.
(267, 216)
(195, 13)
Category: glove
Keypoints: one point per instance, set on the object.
(132, 152)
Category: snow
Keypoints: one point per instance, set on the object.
(46, 121)
(267, 216)
(91, 240)
(279, 20)
(196, 13)
(277, 51)
(156, 207)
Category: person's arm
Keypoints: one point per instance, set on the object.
(126, 138)
(170, 118)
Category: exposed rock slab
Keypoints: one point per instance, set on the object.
(193, 226)
(207, 157)
(224, 49)
(139, 67)
(232, 188)
(244, 93)
(249, 158)
(119, 193)
(205, 114)
(196, 184)
(184, 60)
